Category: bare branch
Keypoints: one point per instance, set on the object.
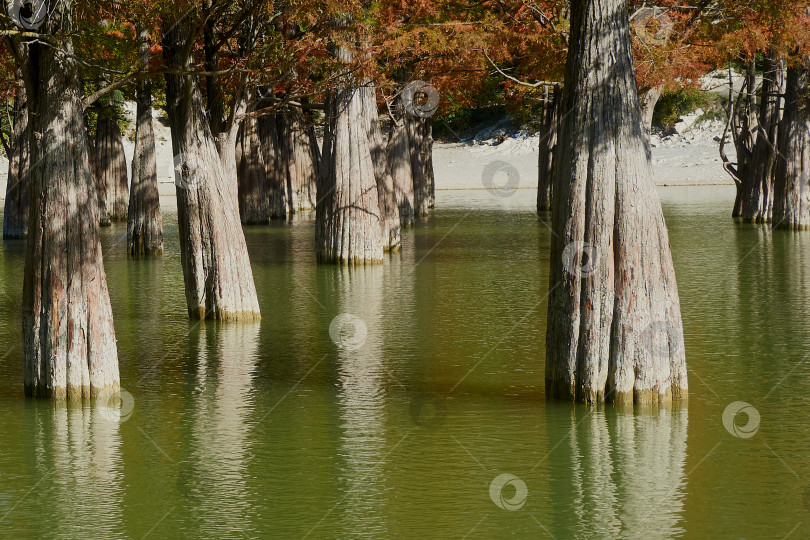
(522, 83)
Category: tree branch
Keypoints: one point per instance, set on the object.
(92, 98)
(518, 81)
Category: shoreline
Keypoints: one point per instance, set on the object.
(689, 159)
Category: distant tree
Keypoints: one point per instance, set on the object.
(144, 219)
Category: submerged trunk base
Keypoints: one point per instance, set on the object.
(614, 330)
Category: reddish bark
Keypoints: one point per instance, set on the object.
(614, 322)
(69, 347)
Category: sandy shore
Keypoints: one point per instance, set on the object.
(691, 159)
(677, 161)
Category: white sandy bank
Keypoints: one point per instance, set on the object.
(688, 159)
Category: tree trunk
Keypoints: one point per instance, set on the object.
(216, 267)
(614, 322)
(69, 345)
(144, 221)
(111, 170)
(399, 163)
(792, 186)
(316, 151)
(254, 196)
(276, 178)
(426, 148)
(548, 145)
(15, 213)
(298, 165)
(757, 204)
(226, 147)
(649, 98)
(387, 197)
(742, 123)
(420, 133)
(348, 223)
(214, 96)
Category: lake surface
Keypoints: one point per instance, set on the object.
(271, 429)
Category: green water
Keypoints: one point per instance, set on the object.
(270, 430)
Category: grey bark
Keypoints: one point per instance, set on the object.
(649, 98)
(387, 197)
(15, 212)
(276, 178)
(548, 143)
(297, 160)
(420, 134)
(253, 185)
(743, 124)
(317, 159)
(69, 348)
(144, 220)
(614, 325)
(792, 186)
(399, 163)
(757, 195)
(216, 266)
(111, 170)
(348, 220)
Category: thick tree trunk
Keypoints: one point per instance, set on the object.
(276, 177)
(420, 133)
(111, 170)
(216, 267)
(757, 204)
(348, 222)
(649, 98)
(226, 147)
(548, 145)
(144, 221)
(387, 197)
(792, 186)
(298, 165)
(15, 212)
(614, 322)
(399, 163)
(254, 195)
(69, 345)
